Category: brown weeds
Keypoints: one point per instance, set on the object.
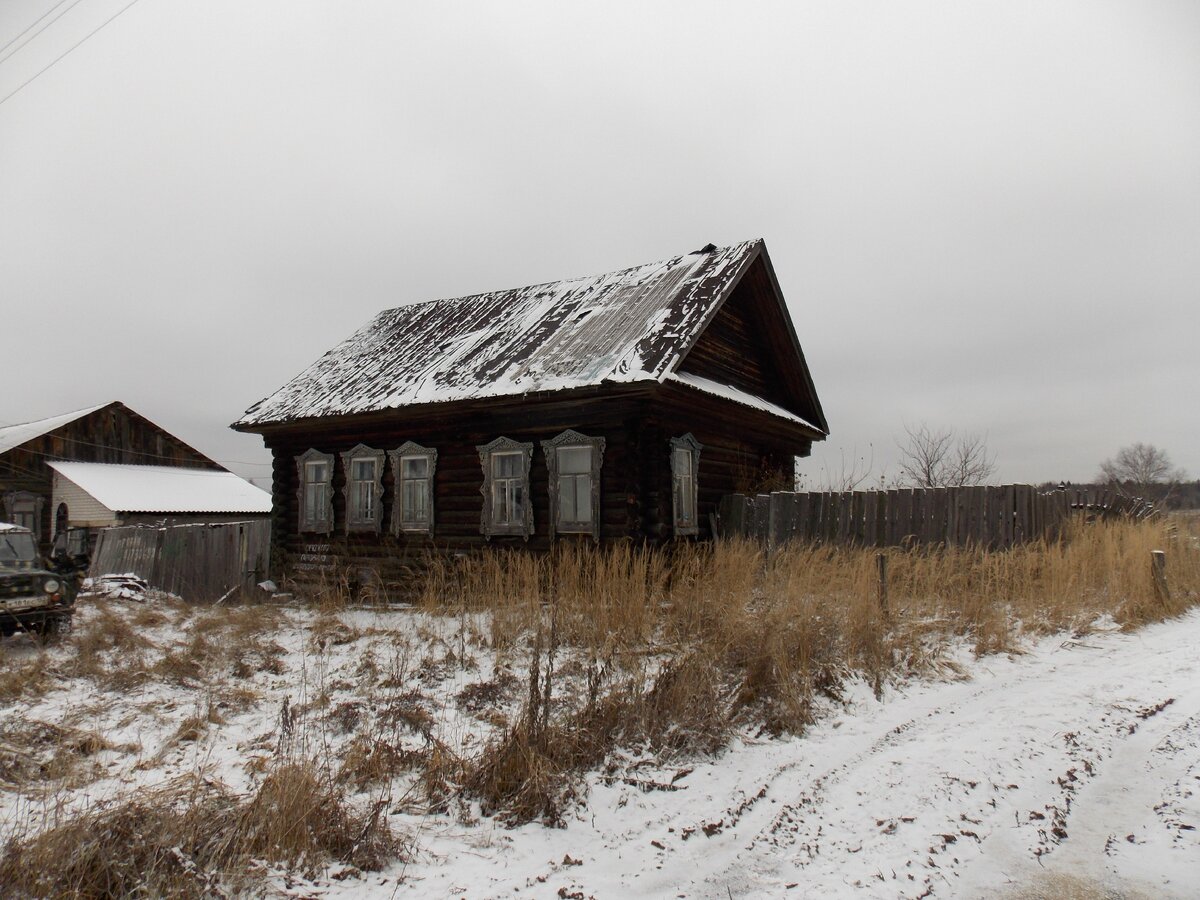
(195, 839)
(743, 638)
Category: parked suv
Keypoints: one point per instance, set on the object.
(32, 598)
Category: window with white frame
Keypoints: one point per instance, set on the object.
(363, 490)
(315, 474)
(413, 468)
(685, 459)
(574, 461)
(506, 505)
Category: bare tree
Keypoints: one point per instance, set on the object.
(931, 458)
(1138, 467)
(851, 472)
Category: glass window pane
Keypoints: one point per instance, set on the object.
(683, 461)
(506, 464)
(363, 470)
(316, 471)
(363, 500)
(686, 511)
(500, 499)
(415, 467)
(573, 460)
(415, 502)
(583, 498)
(566, 500)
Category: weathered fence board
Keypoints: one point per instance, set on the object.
(996, 517)
(197, 562)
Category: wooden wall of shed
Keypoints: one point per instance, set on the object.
(636, 500)
(114, 434)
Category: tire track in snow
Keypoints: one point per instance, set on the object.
(1026, 781)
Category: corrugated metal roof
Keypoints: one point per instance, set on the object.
(625, 326)
(165, 489)
(15, 435)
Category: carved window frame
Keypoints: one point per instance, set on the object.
(411, 450)
(684, 525)
(571, 439)
(487, 453)
(13, 498)
(355, 521)
(304, 525)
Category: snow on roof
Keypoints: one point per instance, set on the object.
(625, 326)
(165, 489)
(729, 392)
(15, 435)
(8, 526)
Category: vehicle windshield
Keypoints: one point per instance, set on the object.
(17, 546)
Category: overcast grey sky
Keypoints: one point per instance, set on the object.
(983, 216)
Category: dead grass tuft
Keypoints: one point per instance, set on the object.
(195, 839)
(33, 751)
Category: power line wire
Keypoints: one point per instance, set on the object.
(25, 44)
(43, 15)
(69, 50)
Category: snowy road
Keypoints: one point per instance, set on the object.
(1080, 758)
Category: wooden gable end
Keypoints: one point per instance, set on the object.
(750, 343)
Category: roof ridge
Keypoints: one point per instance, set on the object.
(705, 250)
(76, 413)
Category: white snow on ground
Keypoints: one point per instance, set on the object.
(1079, 757)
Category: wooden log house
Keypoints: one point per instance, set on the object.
(622, 405)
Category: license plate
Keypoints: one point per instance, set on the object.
(25, 602)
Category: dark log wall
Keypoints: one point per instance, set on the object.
(635, 478)
(114, 434)
(745, 341)
(732, 350)
(458, 501)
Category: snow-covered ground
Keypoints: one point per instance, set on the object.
(1080, 757)
(1076, 762)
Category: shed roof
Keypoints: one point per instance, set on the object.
(621, 327)
(15, 435)
(165, 489)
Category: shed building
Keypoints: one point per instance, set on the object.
(99, 495)
(108, 433)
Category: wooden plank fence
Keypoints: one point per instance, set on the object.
(198, 562)
(994, 517)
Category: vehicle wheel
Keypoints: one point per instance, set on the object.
(51, 628)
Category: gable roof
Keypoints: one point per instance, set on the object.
(165, 489)
(632, 325)
(15, 435)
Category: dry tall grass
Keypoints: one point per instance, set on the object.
(193, 838)
(687, 643)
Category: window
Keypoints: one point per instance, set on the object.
(574, 462)
(24, 508)
(413, 467)
(685, 459)
(315, 475)
(363, 468)
(506, 506)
